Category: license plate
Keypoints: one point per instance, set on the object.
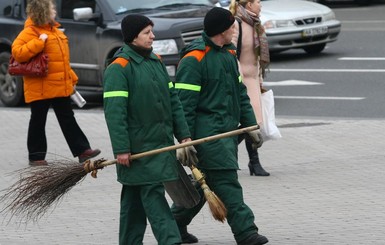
(315, 31)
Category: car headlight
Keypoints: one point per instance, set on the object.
(278, 24)
(329, 16)
(165, 47)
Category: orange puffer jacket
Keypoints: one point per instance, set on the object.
(61, 78)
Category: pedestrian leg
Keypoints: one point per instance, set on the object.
(159, 214)
(133, 221)
(76, 139)
(36, 139)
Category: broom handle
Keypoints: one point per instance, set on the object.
(185, 144)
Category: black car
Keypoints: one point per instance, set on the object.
(93, 30)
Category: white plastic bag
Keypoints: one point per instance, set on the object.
(269, 129)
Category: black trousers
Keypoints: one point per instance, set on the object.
(37, 140)
(227, 187)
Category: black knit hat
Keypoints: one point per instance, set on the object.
(132, 25)
(217, 20)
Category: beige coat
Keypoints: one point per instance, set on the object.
(249, 67)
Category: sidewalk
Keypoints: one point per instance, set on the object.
(326, 186)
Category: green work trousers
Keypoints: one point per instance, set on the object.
(225, 184)
(139, 203)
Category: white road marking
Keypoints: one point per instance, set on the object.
(318, 97)
(329, 70)
(362, 58)
(290, 83)
(363, 21)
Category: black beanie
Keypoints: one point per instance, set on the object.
(132, 25)
(217, 20)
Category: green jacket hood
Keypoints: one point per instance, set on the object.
(128, 53)
(201, 43)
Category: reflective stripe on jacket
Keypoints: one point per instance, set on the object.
(214, 100)
(143, 113)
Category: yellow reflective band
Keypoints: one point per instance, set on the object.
(170, 85)
(115, 94)
(186, 86)
(240, 78)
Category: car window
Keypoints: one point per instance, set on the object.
(9, 9)
(5, 8)
(68, 6)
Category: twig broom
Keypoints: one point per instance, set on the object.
(39, 188)
(217, 208)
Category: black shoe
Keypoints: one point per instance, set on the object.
(256, 169)
(187, 237)
(255, 239)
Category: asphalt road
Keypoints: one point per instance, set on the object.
(326, 183)
(346, 80)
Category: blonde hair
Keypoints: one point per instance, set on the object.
(39, 11)
(234, 4)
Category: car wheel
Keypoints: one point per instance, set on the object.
(315, 49)
(11, 87)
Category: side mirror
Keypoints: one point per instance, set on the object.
(83, 14)
(7, 11)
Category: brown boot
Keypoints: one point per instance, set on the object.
(38, 163)
(87, 154)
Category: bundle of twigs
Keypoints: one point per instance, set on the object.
(217, 208)
(39, 188)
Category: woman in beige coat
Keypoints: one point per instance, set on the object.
(253, 55)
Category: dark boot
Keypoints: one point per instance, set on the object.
(255, 166)
(187, 237)
(255, 239)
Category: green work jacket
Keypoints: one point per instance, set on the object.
(143, 113)
(214, 100)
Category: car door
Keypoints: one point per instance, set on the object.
(83, 42)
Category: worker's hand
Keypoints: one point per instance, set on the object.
(187, 156)
(123, 159)
(256, 138)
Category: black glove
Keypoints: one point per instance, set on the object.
(187, 156)
(256, 138)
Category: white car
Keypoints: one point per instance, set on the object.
(359, 2)
(297, 24)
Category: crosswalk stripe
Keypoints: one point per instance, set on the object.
(329, 70)
(318, 97)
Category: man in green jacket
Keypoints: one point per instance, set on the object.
(143, 113)
(215, 101)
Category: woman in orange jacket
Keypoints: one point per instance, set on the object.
(41, 34)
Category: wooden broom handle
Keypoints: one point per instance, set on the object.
(185, 144)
